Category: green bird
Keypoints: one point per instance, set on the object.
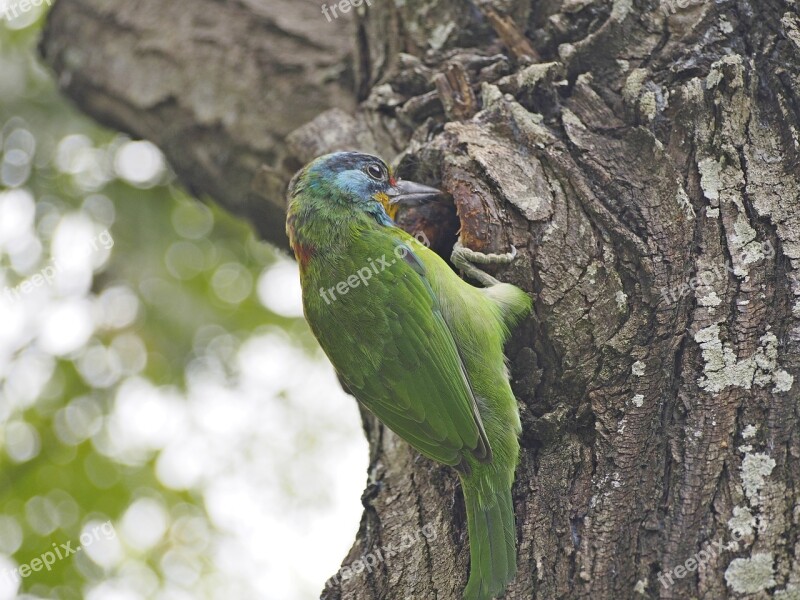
(413, 342)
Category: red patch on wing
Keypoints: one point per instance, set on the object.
(303, 253)
(392, 181)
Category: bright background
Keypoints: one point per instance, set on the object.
(163, 379)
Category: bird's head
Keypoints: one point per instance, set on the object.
(359, 182)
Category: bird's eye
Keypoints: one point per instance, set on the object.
(376, 171)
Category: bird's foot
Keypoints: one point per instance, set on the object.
(465, 260)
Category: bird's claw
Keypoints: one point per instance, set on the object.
(465, 259)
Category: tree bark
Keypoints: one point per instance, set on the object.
(643, 159)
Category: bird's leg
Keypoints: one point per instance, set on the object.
(465, 260)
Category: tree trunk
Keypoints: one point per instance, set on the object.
(644, 160)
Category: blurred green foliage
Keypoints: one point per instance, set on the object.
(161, 380)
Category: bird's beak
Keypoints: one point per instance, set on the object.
(410, 193)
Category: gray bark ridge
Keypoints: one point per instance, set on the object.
(643, 159)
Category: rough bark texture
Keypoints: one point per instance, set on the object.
(644, 160)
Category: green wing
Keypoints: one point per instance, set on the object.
(390, 344)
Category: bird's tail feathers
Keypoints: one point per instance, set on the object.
(492, 544)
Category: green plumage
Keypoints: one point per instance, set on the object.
(418, 346)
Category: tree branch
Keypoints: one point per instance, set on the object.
(216, 85)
